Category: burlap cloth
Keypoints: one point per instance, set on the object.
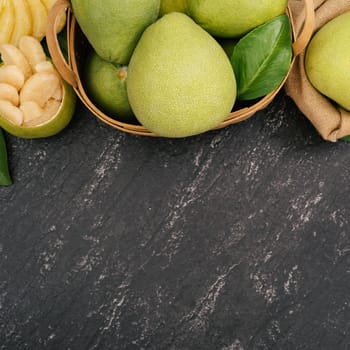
(331, 122)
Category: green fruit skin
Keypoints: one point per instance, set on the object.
(180, 80)
(113, 27)
(105, 84)
(233, 18)
(167, 6)
(51, 127)
(327, 60)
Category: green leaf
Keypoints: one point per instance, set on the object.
(261, 59)
(5, 178)
(346, 138)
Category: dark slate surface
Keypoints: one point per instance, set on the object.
(236, 239)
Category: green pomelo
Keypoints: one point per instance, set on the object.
(327, 60)
(49, 127)
(113, 27)
(233, 18)
(167, 6)
(180, 80)
(105, 84)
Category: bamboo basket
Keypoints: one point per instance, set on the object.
(78, 47)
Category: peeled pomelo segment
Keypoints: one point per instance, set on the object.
(32, 50)
(12, 55)
(49, 111)
(10, 112)
(12, 75)
(9, 93)
(51, 108)
(39, 18)
(45, 67)
(31, 111)
(39, 88)
(58, 93)
(7, 20)
(23, 20)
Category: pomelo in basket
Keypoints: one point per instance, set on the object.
(180, 80)
(233, 18)
(113, 27)
(327, 60)
(105, 84)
